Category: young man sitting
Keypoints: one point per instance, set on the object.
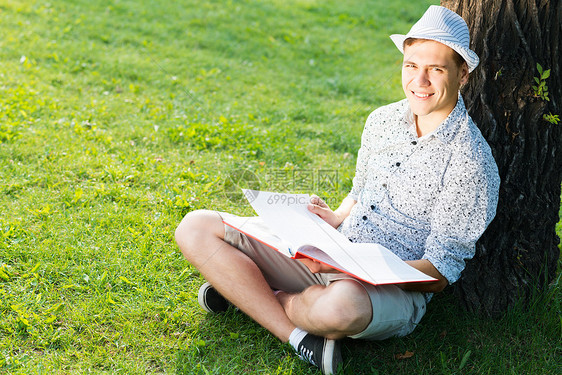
(426, 187)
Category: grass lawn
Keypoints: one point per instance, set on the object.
(117, 118)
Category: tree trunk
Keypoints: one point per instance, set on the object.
(519, 252)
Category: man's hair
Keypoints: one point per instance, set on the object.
(456, 56)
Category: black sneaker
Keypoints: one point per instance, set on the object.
(320, 352)
(210, 300)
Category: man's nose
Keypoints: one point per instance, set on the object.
(422, 78)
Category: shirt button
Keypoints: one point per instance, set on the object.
(414, 143)
(364, 217)
(398, 164)
(384, 186)
(372, 207)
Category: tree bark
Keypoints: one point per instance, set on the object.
(518, 254)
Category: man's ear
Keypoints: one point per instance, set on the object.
(463, 74)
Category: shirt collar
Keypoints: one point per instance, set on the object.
(447, 130)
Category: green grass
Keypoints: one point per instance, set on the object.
(116, 120)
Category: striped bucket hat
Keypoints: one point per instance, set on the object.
(444, 26)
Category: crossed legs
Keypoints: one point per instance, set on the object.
(341, 309)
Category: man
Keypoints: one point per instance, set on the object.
(426, 187)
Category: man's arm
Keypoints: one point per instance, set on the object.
(426, 267)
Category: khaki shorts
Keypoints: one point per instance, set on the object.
(395, 312)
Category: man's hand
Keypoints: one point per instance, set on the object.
(319, 207)
(317, 267)
(429, 269)
(334, 218)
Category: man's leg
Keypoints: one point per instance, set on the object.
(336, 311)
(233, 274)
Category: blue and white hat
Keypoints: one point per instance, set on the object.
(444, 26)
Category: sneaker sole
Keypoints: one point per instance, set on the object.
(201, 297)
(330, 363)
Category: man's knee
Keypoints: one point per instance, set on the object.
(345, 307)
(196, 228)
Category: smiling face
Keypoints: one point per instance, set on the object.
(431, 79)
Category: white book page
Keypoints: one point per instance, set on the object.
(375, 263)
(288, 217)
(267, 237)
(370, 262)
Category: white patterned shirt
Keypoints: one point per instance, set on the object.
(427, 197)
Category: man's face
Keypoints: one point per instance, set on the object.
(431, 80)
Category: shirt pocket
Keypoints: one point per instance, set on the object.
(404, 217)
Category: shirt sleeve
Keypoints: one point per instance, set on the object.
(363, 157)
(464, 208)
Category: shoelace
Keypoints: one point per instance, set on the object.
(306, 354)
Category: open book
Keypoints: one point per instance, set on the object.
(303, 234)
